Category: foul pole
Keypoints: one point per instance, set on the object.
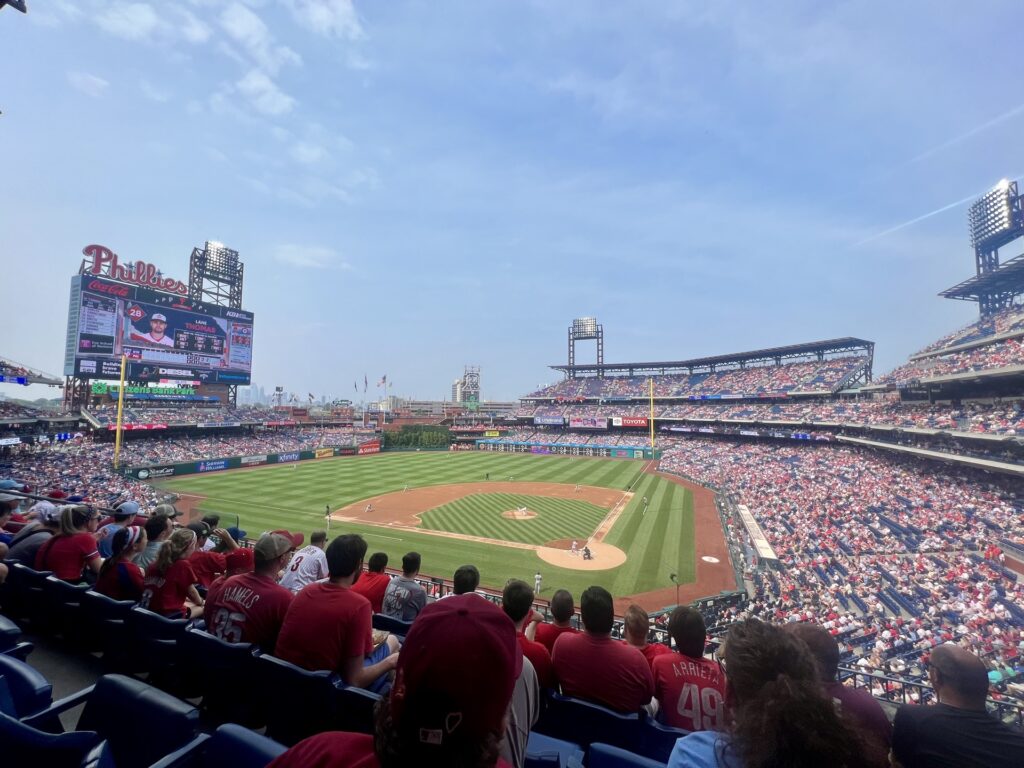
(120, 413)
(650, 418)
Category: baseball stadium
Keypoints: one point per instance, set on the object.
(782, 553)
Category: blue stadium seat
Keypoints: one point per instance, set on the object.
(353, 709)
(231, 745)
(64, 606)
(100, 756)
(584, 722)
(223, 674)
(21, 744)
(141, 723)
(22, 593)
(544, 750)
(10, 640)
(658, 740)
(106, 621)
(606, 756)
(392, 625)
(154, 641)
(27, 690)
(303, 700)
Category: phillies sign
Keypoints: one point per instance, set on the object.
(105, 262)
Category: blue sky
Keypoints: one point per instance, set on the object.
(415, 186)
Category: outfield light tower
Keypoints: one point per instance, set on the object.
(584, 329)
(995, 220)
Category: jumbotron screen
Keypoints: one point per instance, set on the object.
(163, 335)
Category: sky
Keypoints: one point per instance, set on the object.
(418, 186)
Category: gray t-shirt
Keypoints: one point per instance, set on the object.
(523, 713)
(403, 599)
(147, 556)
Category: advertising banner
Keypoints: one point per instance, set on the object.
(346, 450)
(10, 440)
(323, 453)
(540, 449)
(148, 473)
(371, 447)
(634, 421)
(131, 427)
(285, 423)
(212, 466)
(285, 457)
(555, 421)
(251, 461)
(588, 422)
(492, 433)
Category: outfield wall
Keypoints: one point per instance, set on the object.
(154, 471)
(568, 449)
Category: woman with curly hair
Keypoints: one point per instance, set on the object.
(779, 715)
(170, 584)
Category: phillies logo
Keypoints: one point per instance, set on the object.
(105, 261)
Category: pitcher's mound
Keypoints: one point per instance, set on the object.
(519, 514)
(605, 556)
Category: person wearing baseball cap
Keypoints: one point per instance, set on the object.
(250, 607)
(157, 331)
(207, 563)
(453, 683)
(124, 515)
(44, 522)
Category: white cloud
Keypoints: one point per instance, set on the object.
(248, 30)
(131, 21)
(90, 85)
(264, 94)
(192, 29)
(309, 257)
(153, 93)
(330, 18)
(308, 153)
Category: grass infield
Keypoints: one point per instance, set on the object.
(657, 540)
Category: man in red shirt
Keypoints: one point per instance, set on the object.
(637, 626)
(208, 564)
(517, 603)
(250, 607)
(374, 583)
(455, 678)
(328, 626)
(590, 665)
(690, 689)
(562, 610)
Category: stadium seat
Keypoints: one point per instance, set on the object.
(606, 756)
(392, 625)
(154, 641)
(28, 691)
(10, 640)
(303, 701)
(544, 750)
(657, 740)
(100, 756)
(231, 745)
(22, 593)
(353, 709)
(64, 606)
(584, 722)
(141, 723)
(22, 744)
(105, 620)
(222, 673)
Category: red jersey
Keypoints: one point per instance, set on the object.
(247, 608)
(165, 594)
(122, 581)
(325, 625)
(548, 633)
(602, 670)
(651, 651)
(690, 692)
(540, 658)
(337, 749)
(67, 556)
(207, 565)
(372, 586)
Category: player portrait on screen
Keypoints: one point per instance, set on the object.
(157, 331)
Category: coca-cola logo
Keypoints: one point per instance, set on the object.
(106, 262)
(113, 290)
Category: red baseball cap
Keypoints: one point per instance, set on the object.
(295, 538)
(456, 672)
(241, 559)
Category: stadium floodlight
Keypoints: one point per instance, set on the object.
(584, 328)
(992, 217)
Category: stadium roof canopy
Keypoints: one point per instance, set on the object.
(776, 355)
(14, 373)
(1008, 279)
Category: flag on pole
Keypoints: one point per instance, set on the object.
(311, 397)
(383, 381)
(355, 386)
(365, 383)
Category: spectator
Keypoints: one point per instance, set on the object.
(72, 552)
(124, 515)
(517, 602)
(120, 578)
(590, 665)
(374, 582)
(250, 607)
(309, 564)
(689, 688)
(465, 580)
(211, 522)
(158, 530)
(438, 713)
(328, 626)
(523, 713)
(237, 561)
(404, 597)
(169, 586)
(860, 705)
(957, 731)
(780, 716)
(45, 522)
(562, 609)
(636, 628)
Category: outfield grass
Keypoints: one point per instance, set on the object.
(295, 496)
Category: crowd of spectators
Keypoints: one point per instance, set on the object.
(10, 410)
(1007, 321)
(1001, 354)
(183, 414)
(823, 376)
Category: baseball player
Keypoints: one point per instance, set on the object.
(572, 549)
(536, 583)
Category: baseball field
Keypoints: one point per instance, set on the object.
(511, 515)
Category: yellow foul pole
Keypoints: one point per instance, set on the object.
(120, 411)
(650, 419)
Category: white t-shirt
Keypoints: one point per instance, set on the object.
(309, 564)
